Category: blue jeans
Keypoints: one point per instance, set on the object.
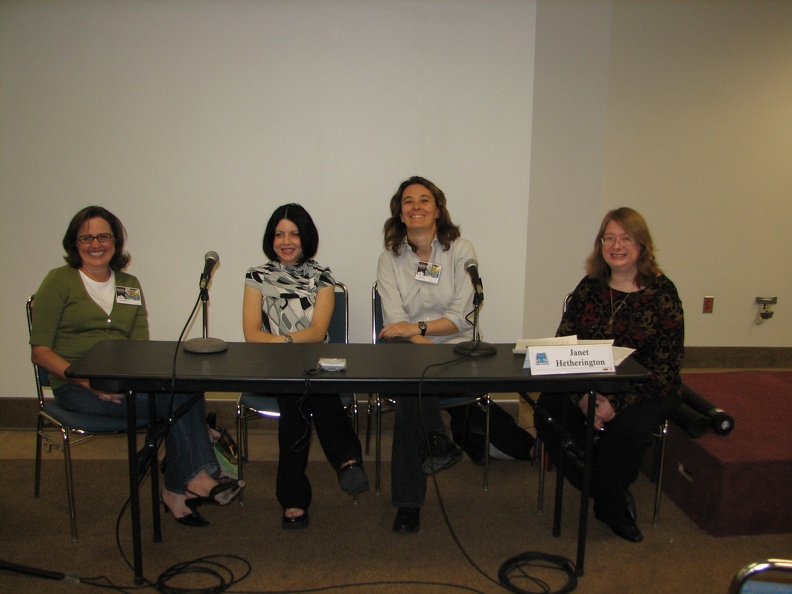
(188, 449)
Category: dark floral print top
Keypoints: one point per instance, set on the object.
(651, 321)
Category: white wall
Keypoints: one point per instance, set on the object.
(700, 140)
(193, 120)
(682, 110)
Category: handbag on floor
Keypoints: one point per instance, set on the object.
(225, 448)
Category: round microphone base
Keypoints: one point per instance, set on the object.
(475, 348)
(205, 345)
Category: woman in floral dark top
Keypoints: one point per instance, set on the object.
(625, 297)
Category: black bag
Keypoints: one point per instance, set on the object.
(505, 435)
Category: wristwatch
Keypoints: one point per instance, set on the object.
(288, 338)
(422, 328)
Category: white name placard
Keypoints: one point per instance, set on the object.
(574, 358)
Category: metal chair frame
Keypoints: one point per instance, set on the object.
(251, 405)
(379, 404)
(753, 569)
(52, 417)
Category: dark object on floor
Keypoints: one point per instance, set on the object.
(408, 520)
(505, 434)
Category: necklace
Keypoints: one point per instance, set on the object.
(615, 309)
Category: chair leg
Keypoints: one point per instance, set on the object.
(368, 423)
(486, 444)
(37, 472)
(540, 456)
(69, 482)
(659, 472)
(377, 444)
(242, 448)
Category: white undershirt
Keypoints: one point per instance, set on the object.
(102, 293)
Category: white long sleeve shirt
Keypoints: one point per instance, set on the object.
(406, 299)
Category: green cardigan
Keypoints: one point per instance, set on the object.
(67, 320)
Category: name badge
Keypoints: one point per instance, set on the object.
(560, 360)
(128, 295)
(428, 272)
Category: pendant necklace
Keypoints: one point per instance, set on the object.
(615, 310)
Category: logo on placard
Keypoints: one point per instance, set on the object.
(541, 359)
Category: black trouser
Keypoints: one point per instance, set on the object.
(336, 436)
(618, 450)
(413, 415)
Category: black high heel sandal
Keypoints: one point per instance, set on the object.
(194, 519)
(221, 494)
(295, 522)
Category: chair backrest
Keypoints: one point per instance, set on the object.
(376, 314)
(567, 299)
(42, 377)
(339, 323)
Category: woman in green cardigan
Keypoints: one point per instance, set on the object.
(92, 299)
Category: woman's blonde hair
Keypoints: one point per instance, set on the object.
(635, 226)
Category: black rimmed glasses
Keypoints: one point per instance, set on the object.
(101, 238)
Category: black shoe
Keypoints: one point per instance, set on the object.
(295, 522)
(627, 531)
(221, 493)
(193, 519)
(352, 479)
(443, 453)
(631, 513)
(408, 520)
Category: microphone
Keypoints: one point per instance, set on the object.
(475, 348)
(212, 260)
(472, 269)
(206, 344)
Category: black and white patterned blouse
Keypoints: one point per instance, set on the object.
(288, 294)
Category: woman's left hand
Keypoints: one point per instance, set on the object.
(115, 398)
(403, 330)
(603, 411)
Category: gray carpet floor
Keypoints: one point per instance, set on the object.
(350, 547)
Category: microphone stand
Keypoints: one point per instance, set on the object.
(475, 348)
(205, 344)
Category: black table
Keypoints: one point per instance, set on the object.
(147, 366)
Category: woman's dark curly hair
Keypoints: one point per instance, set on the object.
(120, 258)
(309, 235)
(395, 230)
(635, 226)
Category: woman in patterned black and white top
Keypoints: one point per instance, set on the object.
(290, 299)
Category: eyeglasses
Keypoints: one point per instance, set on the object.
(625, 240)
(101, 238)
